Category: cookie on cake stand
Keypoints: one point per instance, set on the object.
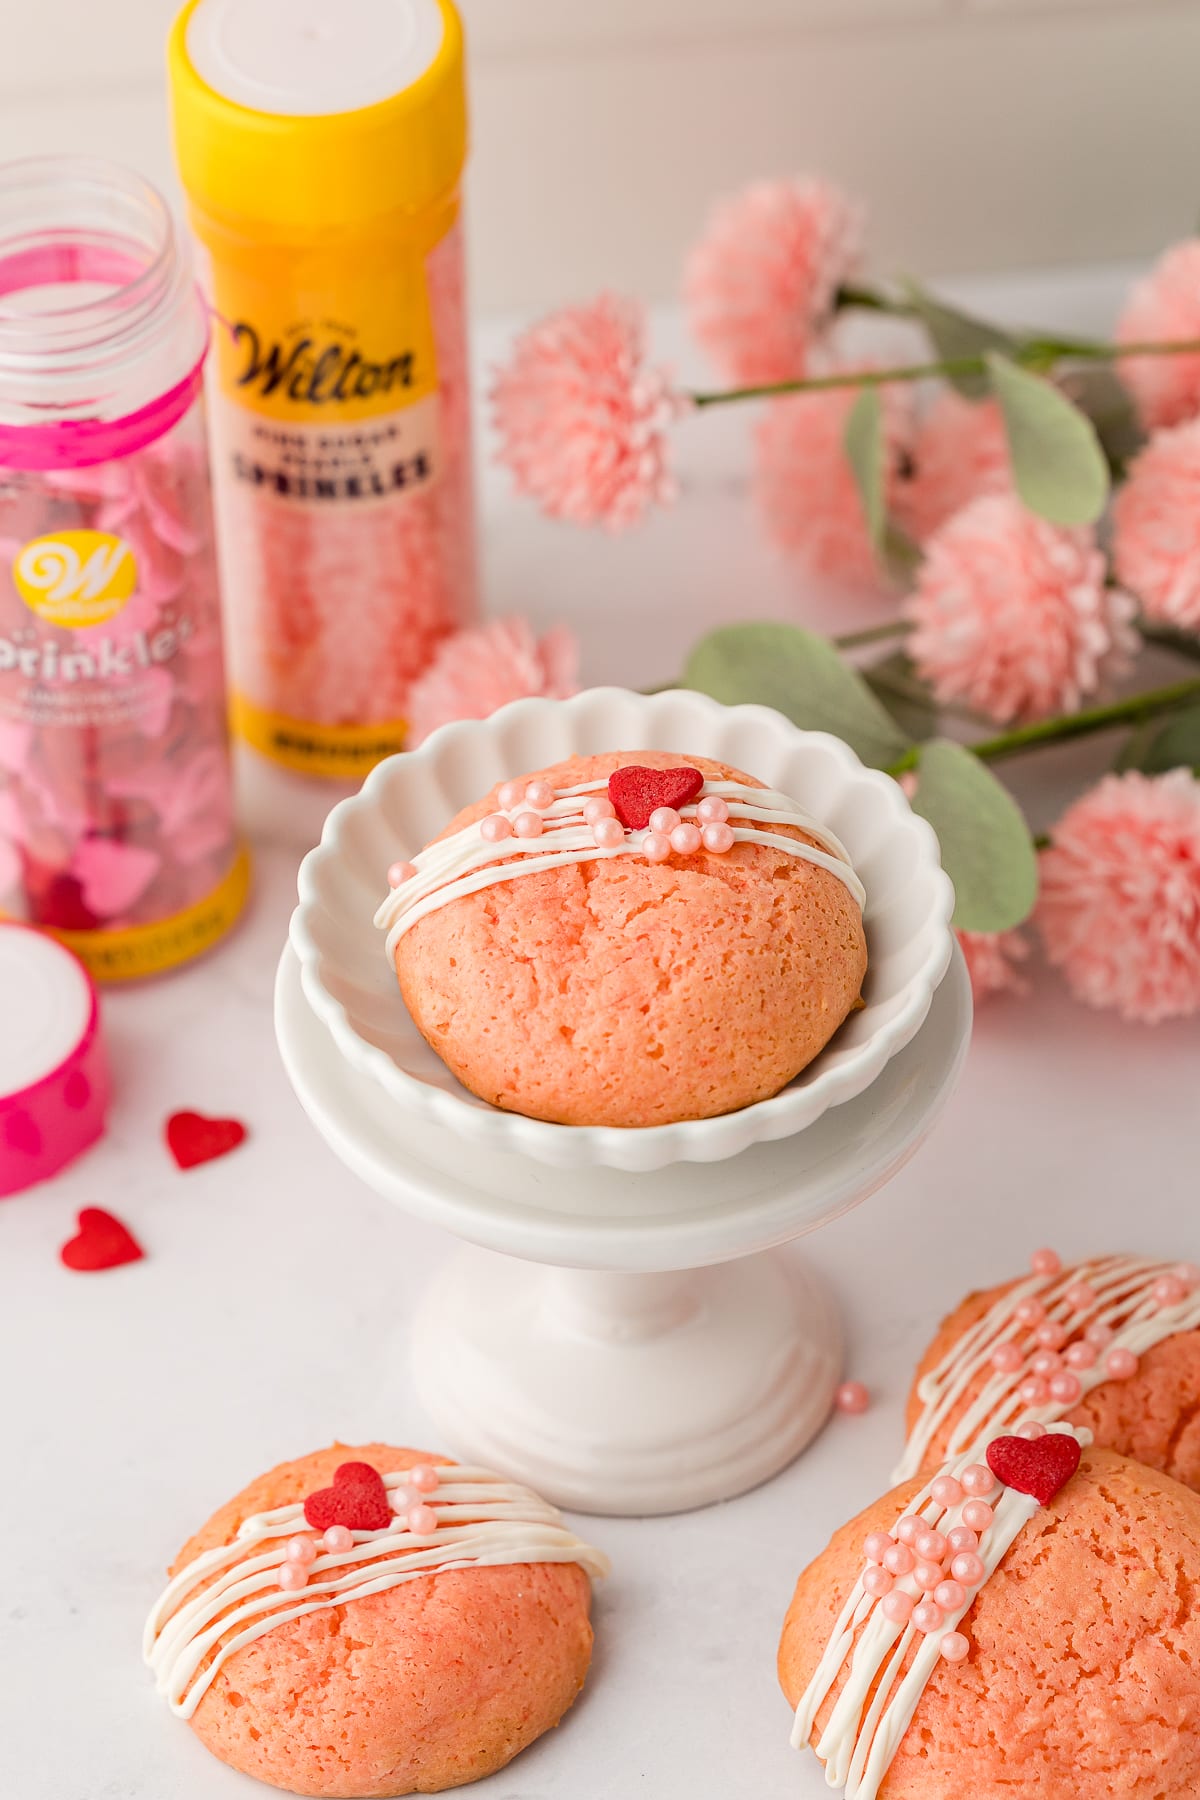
(640, 1345)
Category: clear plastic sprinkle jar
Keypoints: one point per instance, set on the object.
(116, 812)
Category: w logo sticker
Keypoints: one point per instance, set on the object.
(75, 578)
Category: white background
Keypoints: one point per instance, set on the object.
(983, 134)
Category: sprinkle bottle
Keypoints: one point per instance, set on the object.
(116, 812)
(321, 145)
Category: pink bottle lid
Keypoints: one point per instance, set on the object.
(54, 1085)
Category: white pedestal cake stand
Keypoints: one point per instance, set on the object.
(639, 1344)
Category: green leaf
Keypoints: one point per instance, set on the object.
(866, 453)
(1058, 465)
(802, 676)
(908, 699)
(986, 847)
(1156, 747)
(954, 334)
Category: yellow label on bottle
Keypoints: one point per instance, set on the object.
(337, 752)
(141, 950)
(75, 578)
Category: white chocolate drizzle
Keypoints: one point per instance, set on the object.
(865, 1728)
(466, 861)
(1124, 1301)
(227, 1598)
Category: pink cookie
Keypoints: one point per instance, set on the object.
(629, 991)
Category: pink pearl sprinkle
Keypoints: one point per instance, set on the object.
(1168, 1290)
(495, 828)
(928, 1617)
(540, 794)
(338, 1539)
(664, 819)
(608, 833)
(908, 1528)
(511, 794)
(968, 1568)
(301, 1550)
(932, 1546)
(977, 1479)
(598, 808)
(292, 1576)
(927, 1575)
(877, 1545)
(955, 1647)
(655, 847)
(1081, 1355)
(897, 1606)
(424, 1478)
(1189, 1274)
(528, 825)
(1080, 1295)
(422, 1521)
(962, 1538)
(876, 1582)
(852, 1397)
(1046, 1362)
(1032, 1431)
(1098, 1334)
(403, 1498)
(400, 872)
(1120, 1364)
(717, 838)
(685, 840)
(1029, 1312)
(977, 1514)
(712, 810)
(1066, 1388)
(1051, 1335)
(950, 1595)
(1034, 1391)
(899, 1560)
(1007, 1359)
(1046, 1262)
(947, 1491)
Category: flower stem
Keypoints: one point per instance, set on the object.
(1167, 637)
(874, 634)
(1134, 711)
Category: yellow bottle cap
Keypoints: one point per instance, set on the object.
(303, 117)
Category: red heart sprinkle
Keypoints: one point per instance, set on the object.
(1034, 1466)
(102, 1243)
(636, 792)
(192, 1139)
(357, 1498)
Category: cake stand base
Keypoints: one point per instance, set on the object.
(628, 1394)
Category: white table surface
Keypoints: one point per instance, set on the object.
(270, 1313)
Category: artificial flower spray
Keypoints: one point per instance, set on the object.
(116, 815)
(321, 144)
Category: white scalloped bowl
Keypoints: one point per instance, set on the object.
(409, 799)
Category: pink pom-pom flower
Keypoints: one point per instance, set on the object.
(478, 670)
(1156, 527)
(1164, 305)
(1119, 909)
(761, 283)
(958, 453)
(583, 419)
(993, 961)
(806, 489)
(1012, 615)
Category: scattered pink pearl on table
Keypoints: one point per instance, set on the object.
(977, 1479)
(655, 847)
(400, 872)
(1120, 1364)
(955, 1647)
(664, 819)
(1066, 1388)
(293, 1576)
(609, 834)
(1046, 1262)
(301, 1550)
(961, 1538)
(852, 1397)
(717, 838)
(54, 1081)
(1007, 1359)
(338, 1539)
(897, 1606)
(685, 840)
(528, 825)
(495, 828)
(947, 1490)
(978, 1514)
(422, 1520)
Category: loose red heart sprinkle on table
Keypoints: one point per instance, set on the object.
(357, 1499)
(1034, 1466)
(193, 1139)
(102, 1242)
(636, 792)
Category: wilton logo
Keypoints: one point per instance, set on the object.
(75, 578)
(317, 375)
